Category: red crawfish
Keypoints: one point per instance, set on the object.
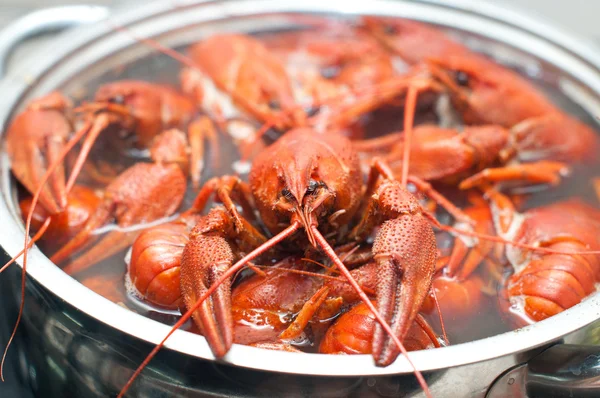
(517, 128)
(328, 63)
(544, 284)
(34, 139)
(467, 158)
(147, 109)
(313, 182)
(320, 179)
(249, 75)
(154, 264)
(142, 194)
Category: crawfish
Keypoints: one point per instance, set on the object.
(138, 107)
(518, 123)
(34, 139)
(327, 63)
(155, 260)
(544, 284)
(154, 264)
(311, 181)
(247, 72)
(147, 109)
(466, 158)
(143, 193)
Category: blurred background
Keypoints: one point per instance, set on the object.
(578, 15)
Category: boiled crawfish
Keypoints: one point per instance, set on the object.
(147, 109)
(143, 193)
(34, 139)
(514, 121)
(327, 63)
(141, 108)
(545, 284)
(154, 264)
(317, 188)
(251, 77)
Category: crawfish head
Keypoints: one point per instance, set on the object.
(143, 108)
(306, 177)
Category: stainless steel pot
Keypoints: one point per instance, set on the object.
(76, 343)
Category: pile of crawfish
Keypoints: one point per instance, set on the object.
(327, 237)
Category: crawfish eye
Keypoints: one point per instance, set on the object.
(390, 30)
(329, 72)
(312, 186)
(118, 99)
(274, 104)
(313, 110)
(286, 193)
(461, 78)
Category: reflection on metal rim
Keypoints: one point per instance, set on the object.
(569, 54)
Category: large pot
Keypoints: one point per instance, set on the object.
(73, 342)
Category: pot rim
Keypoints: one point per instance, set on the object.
(16, 86)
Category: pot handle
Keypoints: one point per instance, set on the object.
(562, 370)
(46, 21)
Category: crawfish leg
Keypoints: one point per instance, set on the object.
(226, 189)
(503, 210)
(234, 187)
(199, 131)
(305, 315)
(378, 144)
(464, 259)
(542, 172)
(94, 130)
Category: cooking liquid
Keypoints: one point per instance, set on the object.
(108, 278)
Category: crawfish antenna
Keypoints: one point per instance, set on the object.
(409, 116)
(37, 236)
(498, 239)
(229, 273)
(156, 45)
(439, 311)
(333, 257)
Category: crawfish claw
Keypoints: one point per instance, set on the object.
(204, 260)
(30, 160)
(406, 264)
